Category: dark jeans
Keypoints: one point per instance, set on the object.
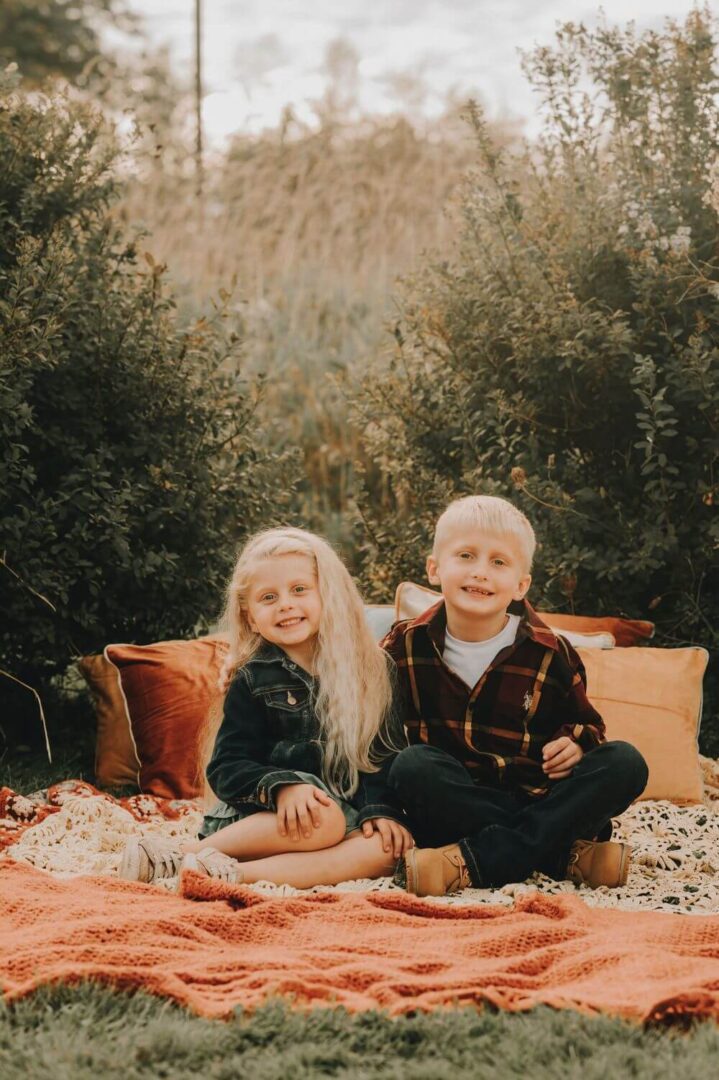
(505, 835)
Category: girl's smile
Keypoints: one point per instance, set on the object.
(284, 605)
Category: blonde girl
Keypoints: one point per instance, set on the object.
(298, 760)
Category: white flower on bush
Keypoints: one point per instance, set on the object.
(681, 240)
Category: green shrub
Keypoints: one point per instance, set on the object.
(127, 444)
(566, 357)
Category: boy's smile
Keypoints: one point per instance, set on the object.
(480, 574)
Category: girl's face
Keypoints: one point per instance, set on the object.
(284, 606)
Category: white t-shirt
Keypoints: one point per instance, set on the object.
(470, 659)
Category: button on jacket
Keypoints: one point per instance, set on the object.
(270, 733)
(534, 691)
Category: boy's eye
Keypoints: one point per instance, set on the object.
(498, 562)
(465, 555)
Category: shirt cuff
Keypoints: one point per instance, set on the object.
(375, 810)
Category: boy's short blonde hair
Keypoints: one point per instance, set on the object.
(491, 514)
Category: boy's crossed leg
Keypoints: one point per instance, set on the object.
(505, 836)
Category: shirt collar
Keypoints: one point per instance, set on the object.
(530, 625)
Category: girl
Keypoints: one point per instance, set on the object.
(307, 735)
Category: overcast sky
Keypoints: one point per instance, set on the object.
(261, 55)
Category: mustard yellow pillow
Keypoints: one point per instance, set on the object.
(652, 698)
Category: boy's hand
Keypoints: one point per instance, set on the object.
(298, 809)
(560, 757)
(395, 837)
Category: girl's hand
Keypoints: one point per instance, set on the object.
(298, 809)
(560, 757)
(395, 837)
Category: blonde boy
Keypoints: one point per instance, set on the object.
(508, 770)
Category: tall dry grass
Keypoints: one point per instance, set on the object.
(303, 234)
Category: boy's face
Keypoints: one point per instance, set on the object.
(480, 573)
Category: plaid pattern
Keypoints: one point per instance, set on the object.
(533, 691)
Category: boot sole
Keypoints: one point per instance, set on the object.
(411, 872)
(624, 864)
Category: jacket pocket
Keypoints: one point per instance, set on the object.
(287, 700)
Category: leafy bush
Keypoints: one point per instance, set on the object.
(566, 358)
(127, 444)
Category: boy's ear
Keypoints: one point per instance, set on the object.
(432, 575)
(523, 587)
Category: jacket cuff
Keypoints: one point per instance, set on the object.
(265, 793)
(375, 810)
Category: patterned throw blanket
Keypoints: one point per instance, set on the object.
(73, 829)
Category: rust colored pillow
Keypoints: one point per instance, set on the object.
(116, 763)
(168, 690)
(626, 632)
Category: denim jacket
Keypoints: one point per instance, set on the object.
(269, 733)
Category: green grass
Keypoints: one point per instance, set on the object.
(89, 1031)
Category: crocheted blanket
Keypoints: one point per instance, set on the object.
(72, 829)
(376, 950)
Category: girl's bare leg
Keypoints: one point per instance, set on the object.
(357, 857)
(257, 836)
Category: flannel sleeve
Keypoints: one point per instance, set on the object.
(579, 719)
(395, 646)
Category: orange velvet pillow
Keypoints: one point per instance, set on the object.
(626, 632)
(652, 698)
(168, 689)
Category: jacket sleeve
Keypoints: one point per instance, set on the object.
(580, 720)
(374, 796)
(239, 770)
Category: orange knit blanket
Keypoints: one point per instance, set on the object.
(363, 951)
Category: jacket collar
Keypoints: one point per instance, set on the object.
(530, 626)
(269, 655)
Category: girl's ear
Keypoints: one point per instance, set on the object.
(432, 571)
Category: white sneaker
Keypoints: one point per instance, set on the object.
(145, 859)
(214, 864)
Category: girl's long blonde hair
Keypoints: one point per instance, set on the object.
(355, 691)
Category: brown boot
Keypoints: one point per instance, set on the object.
(435, 871)
(593, 863)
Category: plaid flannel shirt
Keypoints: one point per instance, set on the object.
(533, 691)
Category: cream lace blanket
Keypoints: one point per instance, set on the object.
(675, 864)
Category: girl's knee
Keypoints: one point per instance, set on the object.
(331, 829)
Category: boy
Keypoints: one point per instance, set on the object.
(508, 770)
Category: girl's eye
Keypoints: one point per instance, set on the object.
(300, 588)
(267, 596)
